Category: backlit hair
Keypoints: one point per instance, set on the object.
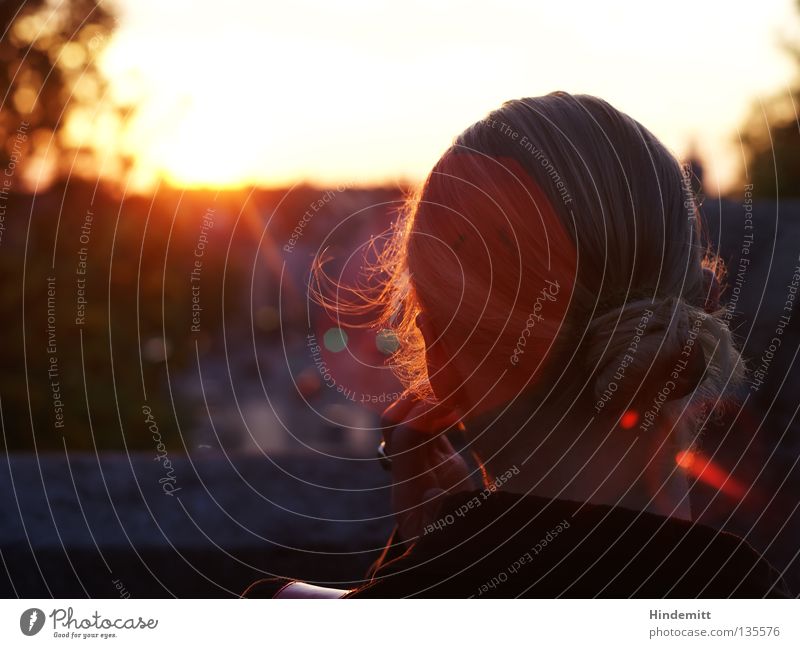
(557, 190)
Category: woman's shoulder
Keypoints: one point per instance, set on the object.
(504, 544)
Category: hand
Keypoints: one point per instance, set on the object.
(424, 465)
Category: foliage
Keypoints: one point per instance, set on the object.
(770, 141)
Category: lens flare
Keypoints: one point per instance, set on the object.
(629, 420)
(706, 471)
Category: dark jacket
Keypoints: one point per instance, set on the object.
(507, 545)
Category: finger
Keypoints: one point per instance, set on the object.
(421, 461)
(397, 411)
(423, 466)
(393, 415)
(452, 471)
(412, 476)
(430, 417)
(420, 416)
(411, 452)
(428, 421)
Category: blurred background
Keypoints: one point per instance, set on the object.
(178, 418)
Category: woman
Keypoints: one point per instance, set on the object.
(554, 303)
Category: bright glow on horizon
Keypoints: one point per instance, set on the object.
(270, 94)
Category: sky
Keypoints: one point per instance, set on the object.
(269, 93)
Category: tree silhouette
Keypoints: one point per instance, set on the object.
(48, 66)
(770, 141)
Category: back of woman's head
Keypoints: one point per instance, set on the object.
(554, 252)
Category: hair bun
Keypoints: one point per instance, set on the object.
(645, 350)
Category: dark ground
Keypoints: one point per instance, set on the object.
(231, 523)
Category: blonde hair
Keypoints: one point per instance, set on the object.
(562, 189)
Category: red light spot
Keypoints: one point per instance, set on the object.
(629, 419)
(705, 470)
(684, 459)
